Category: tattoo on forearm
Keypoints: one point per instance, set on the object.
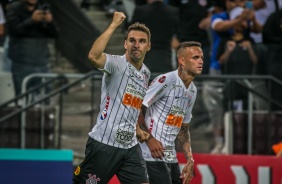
(184, 139)
(141, 120)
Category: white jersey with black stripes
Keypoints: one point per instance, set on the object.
(169, 105)
(122, 92)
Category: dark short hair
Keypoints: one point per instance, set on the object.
(139, 27)
(184, 45)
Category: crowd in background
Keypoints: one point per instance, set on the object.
(238, 37)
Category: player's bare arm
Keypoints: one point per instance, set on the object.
(96, 54)
(141, 135)
(156, 148)
(142, 131)
(185, 141)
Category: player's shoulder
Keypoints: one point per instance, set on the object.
(162, 79)
(115, 57)
(167, 78)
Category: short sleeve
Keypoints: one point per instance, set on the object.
(156, 90)
(114, 64)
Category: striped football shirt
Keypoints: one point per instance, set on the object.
(122, 92)
(169, 105)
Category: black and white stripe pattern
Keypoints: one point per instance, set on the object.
(125, 87)
(169, 105)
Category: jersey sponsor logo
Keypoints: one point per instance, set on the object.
(105, 111)
(174, 120)
(177, 86)
(162, 79)
(92, 179)
(153, 98)
(151, 125)
(175, 116)
(77, 171)
(168, 154)
(124, 137)
(133, 97)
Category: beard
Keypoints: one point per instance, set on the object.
(136, 57)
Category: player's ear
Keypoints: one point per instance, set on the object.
(125, 44)
(149, 46)
(180, 60)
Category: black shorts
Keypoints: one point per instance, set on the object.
(162, 172)
(102, 162)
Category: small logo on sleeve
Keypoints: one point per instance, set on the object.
(162, 79)
(105, 111)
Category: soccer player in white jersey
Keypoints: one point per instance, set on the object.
(112, 147)
(167, 108)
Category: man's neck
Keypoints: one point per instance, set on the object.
(185, 77)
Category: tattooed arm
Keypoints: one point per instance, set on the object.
(142, 133)
(185, 141)
(155, 146)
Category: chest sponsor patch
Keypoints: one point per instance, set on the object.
(175, 116)
(133, 97)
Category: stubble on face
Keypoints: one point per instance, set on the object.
(193, 66)
(137, 45)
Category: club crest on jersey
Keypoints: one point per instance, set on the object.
(92, 179)
(105, 111)
(146, 74)
(162, 79)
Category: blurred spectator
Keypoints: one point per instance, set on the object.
(85, 4)
(129, 6)
(162, 20)
(2, 23)
(5, 63)
(30, 26)
(272, 38)
(272, 29)
(195, 28)
(236, 55)
(263, 8)
(222, 27)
